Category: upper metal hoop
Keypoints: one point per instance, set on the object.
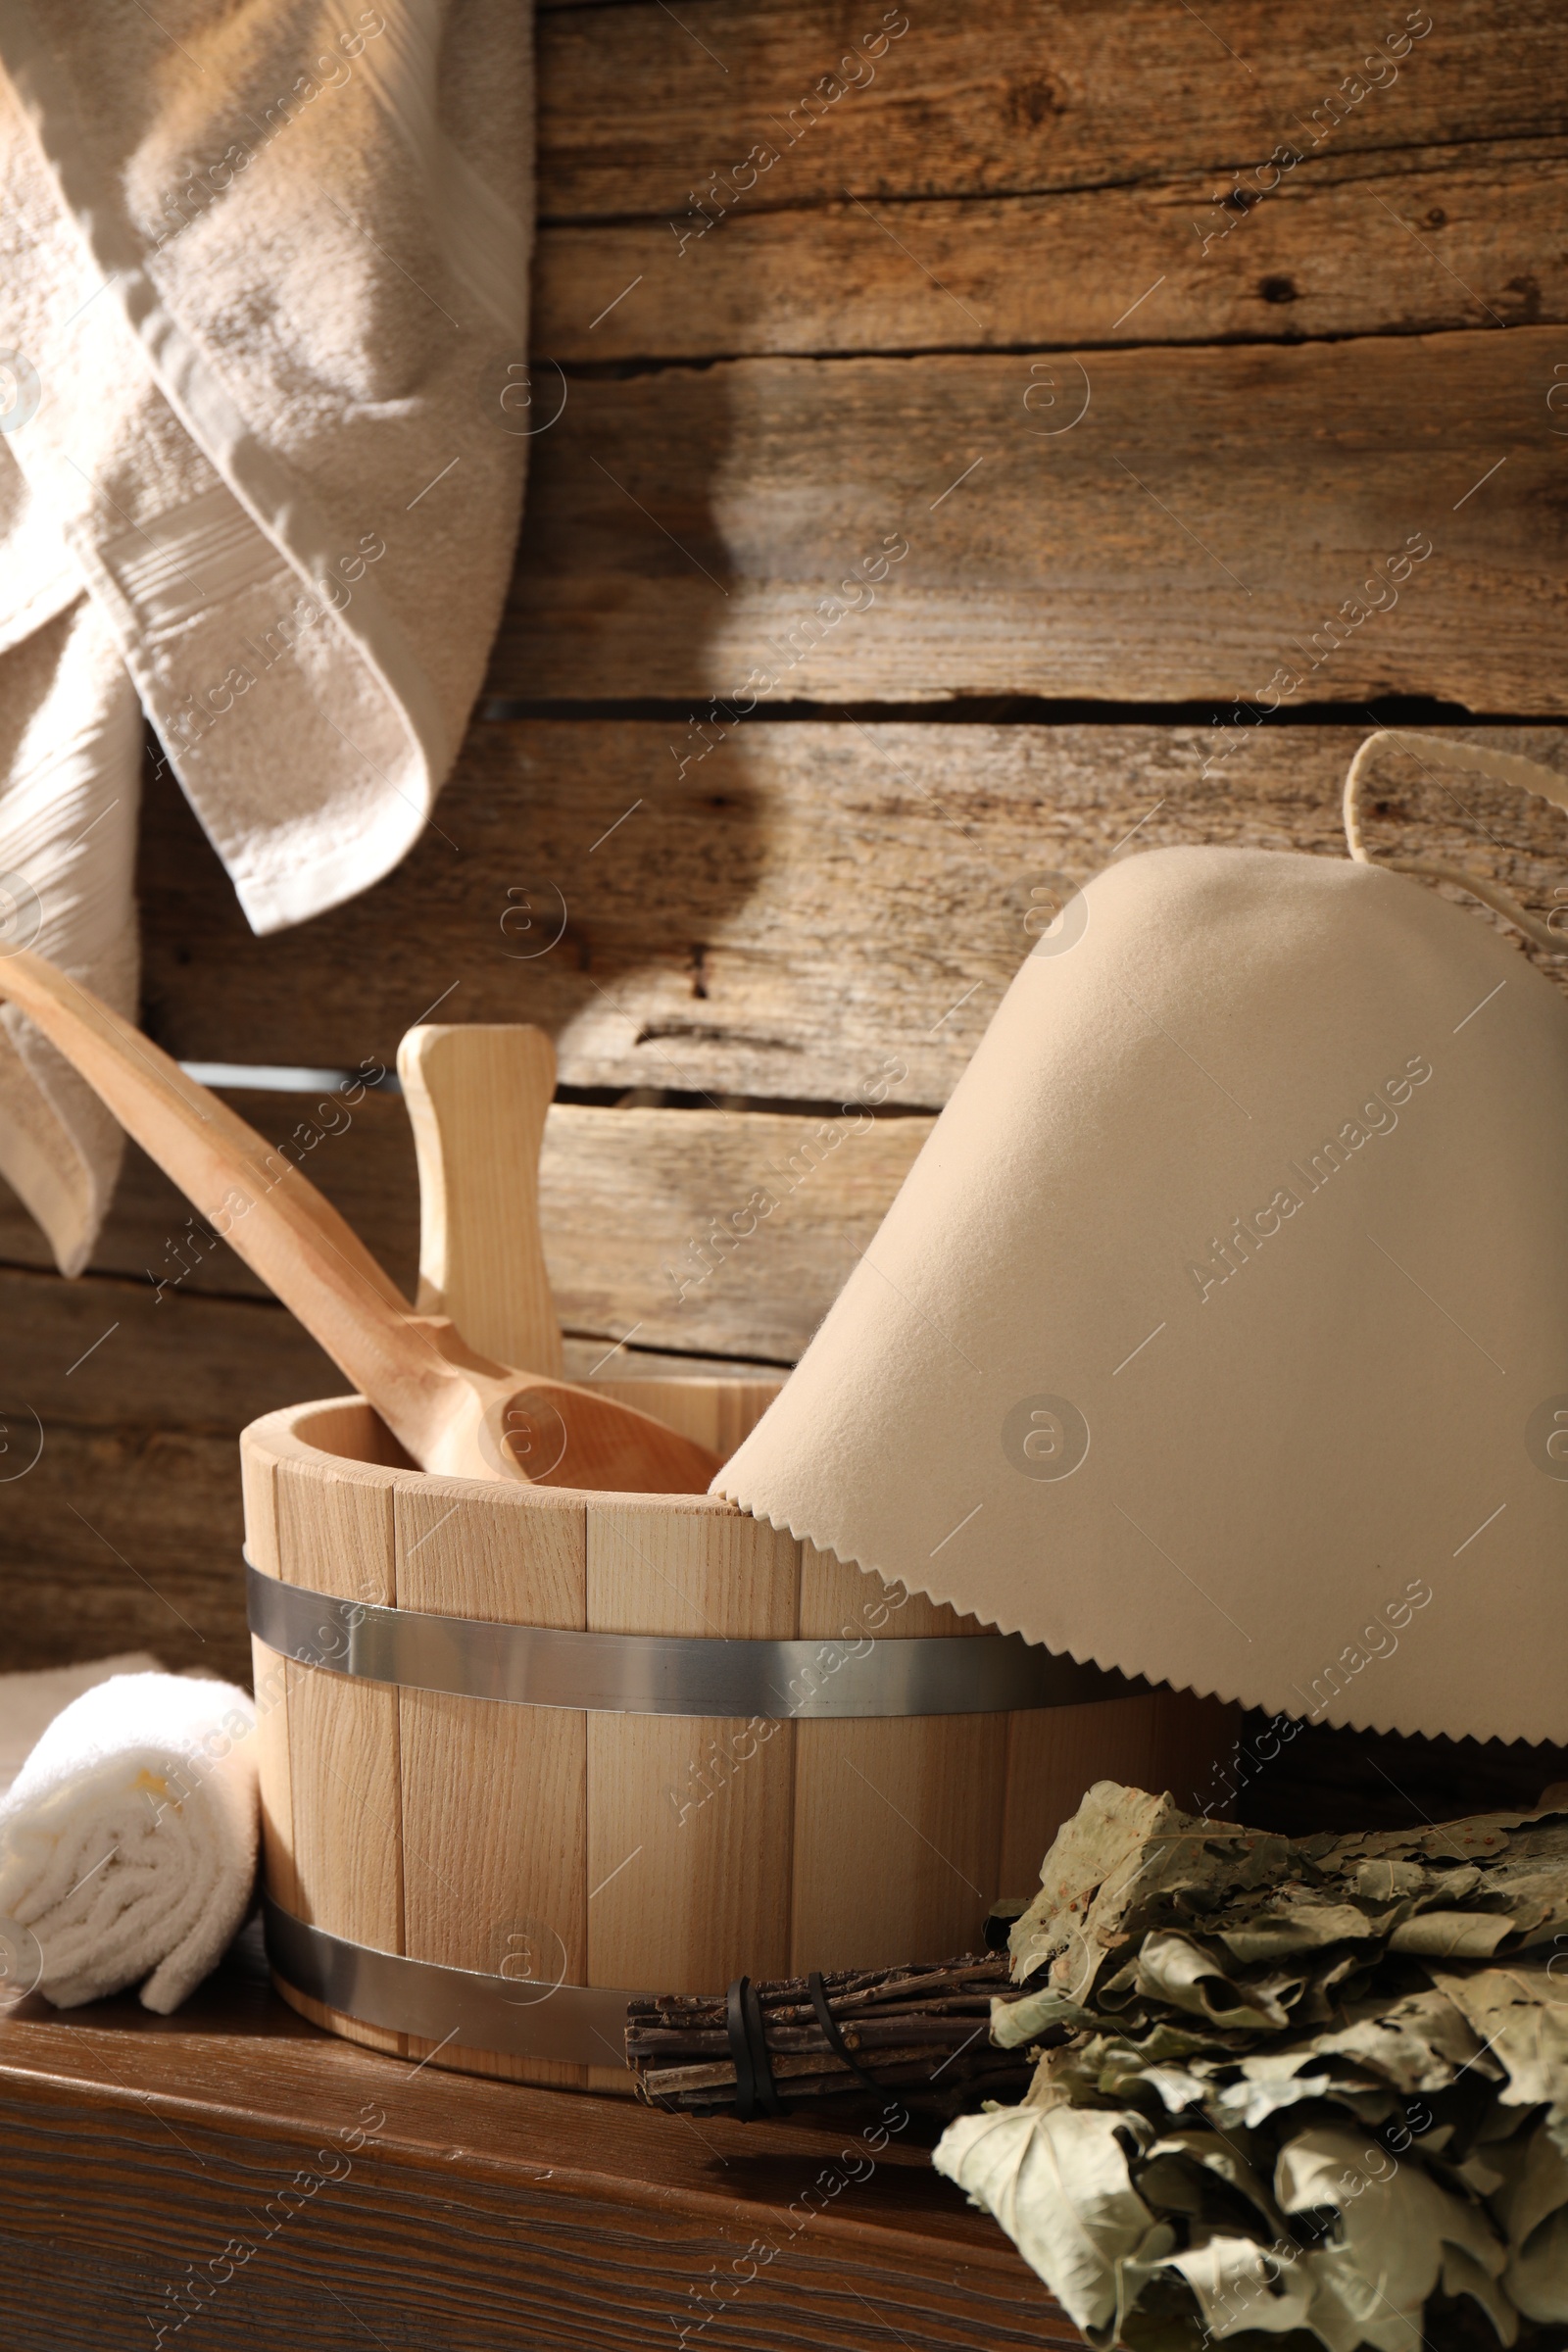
(668, 1674)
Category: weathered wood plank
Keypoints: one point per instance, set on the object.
(201, 1364)
(640, 110)
(125, 1539)
(728, 1231)
(807, 906)
(1154, 524)
(1351, 244)
(102, 1354)
(705, 1232)
(363, 1161)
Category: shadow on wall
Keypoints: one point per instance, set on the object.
(1317, 1777)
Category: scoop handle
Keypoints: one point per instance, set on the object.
(447, 1405)
(259, 1203)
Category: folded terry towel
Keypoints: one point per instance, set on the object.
(127, 1841)
(262, 291)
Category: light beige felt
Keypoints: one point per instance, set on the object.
(1315, 1465)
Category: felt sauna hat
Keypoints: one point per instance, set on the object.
(1219, 1333)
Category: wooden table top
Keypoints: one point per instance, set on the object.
(230, 2176)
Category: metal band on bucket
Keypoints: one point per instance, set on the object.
(581, 2024)
(666, 1674)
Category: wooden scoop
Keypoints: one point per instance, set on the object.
(451, 1408)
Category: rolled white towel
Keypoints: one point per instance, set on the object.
(127, 1840)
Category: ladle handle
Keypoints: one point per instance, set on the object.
(260, 1204)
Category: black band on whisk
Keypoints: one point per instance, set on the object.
(755, 2091)
(834, 2038)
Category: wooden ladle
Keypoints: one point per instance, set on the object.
(450, 1408)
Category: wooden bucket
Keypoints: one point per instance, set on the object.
(481, 1879)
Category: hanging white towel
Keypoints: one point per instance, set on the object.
(262, 297)
(127, 1840)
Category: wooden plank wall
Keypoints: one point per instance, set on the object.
(946, 418)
